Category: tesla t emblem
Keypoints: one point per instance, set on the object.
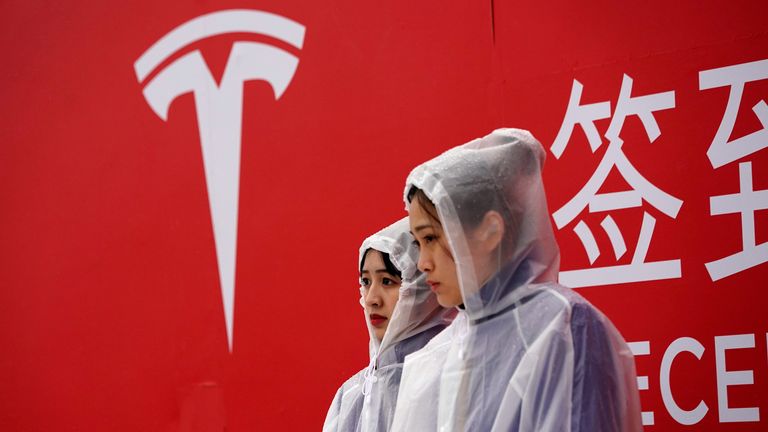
(219, 108)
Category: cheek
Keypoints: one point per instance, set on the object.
(392, 296)
(450, 278)
(446, 263)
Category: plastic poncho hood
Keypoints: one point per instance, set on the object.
(500, 172)
(417, 308)
(524, 353)
(366, 402)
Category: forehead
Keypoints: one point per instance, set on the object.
(373, 260)
(416, 214)
(418, 218)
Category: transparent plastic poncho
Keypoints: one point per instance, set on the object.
(524, 353)
(366, 401)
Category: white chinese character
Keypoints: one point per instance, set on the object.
(722, 152)
(641, 188)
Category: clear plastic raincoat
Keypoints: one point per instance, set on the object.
(524, 353)
(366, 401)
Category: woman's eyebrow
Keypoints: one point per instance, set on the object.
(379, 270)
(421, 227)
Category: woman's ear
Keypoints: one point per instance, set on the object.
(491, 231)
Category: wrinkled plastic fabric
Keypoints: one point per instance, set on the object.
(524, 354)
(366, 401)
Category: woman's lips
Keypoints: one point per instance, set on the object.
(377, 320)
(433, 285)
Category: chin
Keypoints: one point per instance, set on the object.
(447, 302)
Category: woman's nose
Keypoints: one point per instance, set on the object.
(425, 262)
(373, 297)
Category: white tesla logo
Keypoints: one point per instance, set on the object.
(219, 108)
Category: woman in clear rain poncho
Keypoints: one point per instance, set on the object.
(401, 314)
(524, 353)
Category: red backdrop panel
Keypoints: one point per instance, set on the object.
(111, 313)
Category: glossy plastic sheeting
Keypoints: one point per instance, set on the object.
(525, 353)
(366, 401)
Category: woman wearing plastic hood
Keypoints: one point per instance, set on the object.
(524, 353)
(401, 314)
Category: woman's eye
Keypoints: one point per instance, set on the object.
(365, 282)
(388, 281)
(429, 238)
(415, 243)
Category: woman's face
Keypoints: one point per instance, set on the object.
(381, 291)
(434, 257)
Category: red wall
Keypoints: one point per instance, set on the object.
(110, 302)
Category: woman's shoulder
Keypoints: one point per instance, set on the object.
(440, 341)
(572, 300)
(352, 382)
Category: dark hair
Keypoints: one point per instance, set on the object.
(391, 269)
(470, 207)
(424, 202)
(472, 204)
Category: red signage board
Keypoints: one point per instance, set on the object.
(185, 186)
